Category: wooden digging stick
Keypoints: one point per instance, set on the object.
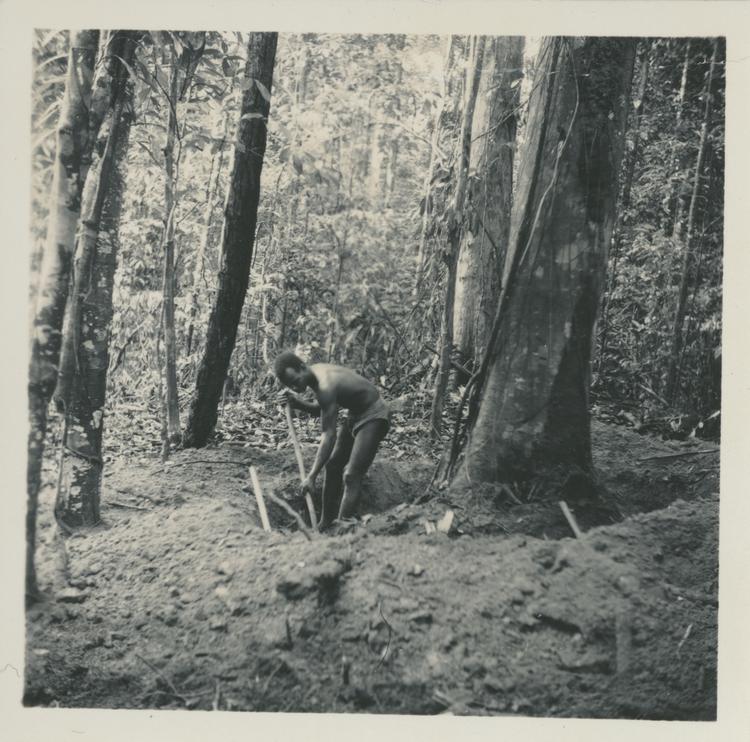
(301, 465)
(259, 499)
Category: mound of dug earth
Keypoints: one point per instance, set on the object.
(388, 483)
(179, 600)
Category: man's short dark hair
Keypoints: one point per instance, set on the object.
(286, 360)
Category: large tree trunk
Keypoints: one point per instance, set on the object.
(72, 156)
(687, 246)
(238, 238)
(484, 240)
(533, 414)
(91, 302)
(454, 230)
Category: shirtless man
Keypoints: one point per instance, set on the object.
(347, 455)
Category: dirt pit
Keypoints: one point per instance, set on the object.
(180, 600)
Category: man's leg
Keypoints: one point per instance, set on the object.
(365, 447)
(334, 473)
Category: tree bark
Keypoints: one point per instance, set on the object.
(484, 240)
(91, 303)
(238, 238)
(533, 413)
(454, 229)
(687, 245)
(73, 146)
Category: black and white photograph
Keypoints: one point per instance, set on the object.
(373, 373)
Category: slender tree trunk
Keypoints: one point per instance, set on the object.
(426, 208)
(673, 216)
(172, 150)
(621, 220)
(390, 173)
(303, 70)
(73, 146)
(432, 162)
(454, 235)
(272, 326)
(484, 240)
(238, 237)
(335, 327)
(212, 189)
(687, 247)
(91, 303)
(376, 163)
(533, 413)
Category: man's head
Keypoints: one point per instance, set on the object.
(291, 371)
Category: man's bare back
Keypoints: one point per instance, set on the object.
(345, 387)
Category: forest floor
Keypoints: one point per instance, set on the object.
(179, 599)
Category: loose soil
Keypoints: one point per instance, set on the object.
(179, 599)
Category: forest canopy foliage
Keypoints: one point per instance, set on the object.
(341, 214)
(381, 156)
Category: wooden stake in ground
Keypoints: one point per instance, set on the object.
(301, 465)
(259, 499)
(571, 520)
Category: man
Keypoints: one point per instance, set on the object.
(347, 455)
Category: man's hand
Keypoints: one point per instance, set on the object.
(307, 486)
(285, 397)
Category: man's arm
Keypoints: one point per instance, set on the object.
(311, 408)
(328, 415)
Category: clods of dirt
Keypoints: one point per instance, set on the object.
(179, 599)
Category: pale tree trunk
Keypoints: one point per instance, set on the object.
(271, 322)
(426, 205)
(376, 163)
(184, 52)
(84, 392)
(304, 66)
(673, 216)
(432, 162)
(283, 235)
(72, 154)
(267, 352)
(484, 240)
(334, 329)
(533, 414)
(238, 238)
(212, 189)
(172, 151)
(687, 243)
(454, 229)
(390, 173)
(621, 221)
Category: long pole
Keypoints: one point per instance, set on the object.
(301, 465)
